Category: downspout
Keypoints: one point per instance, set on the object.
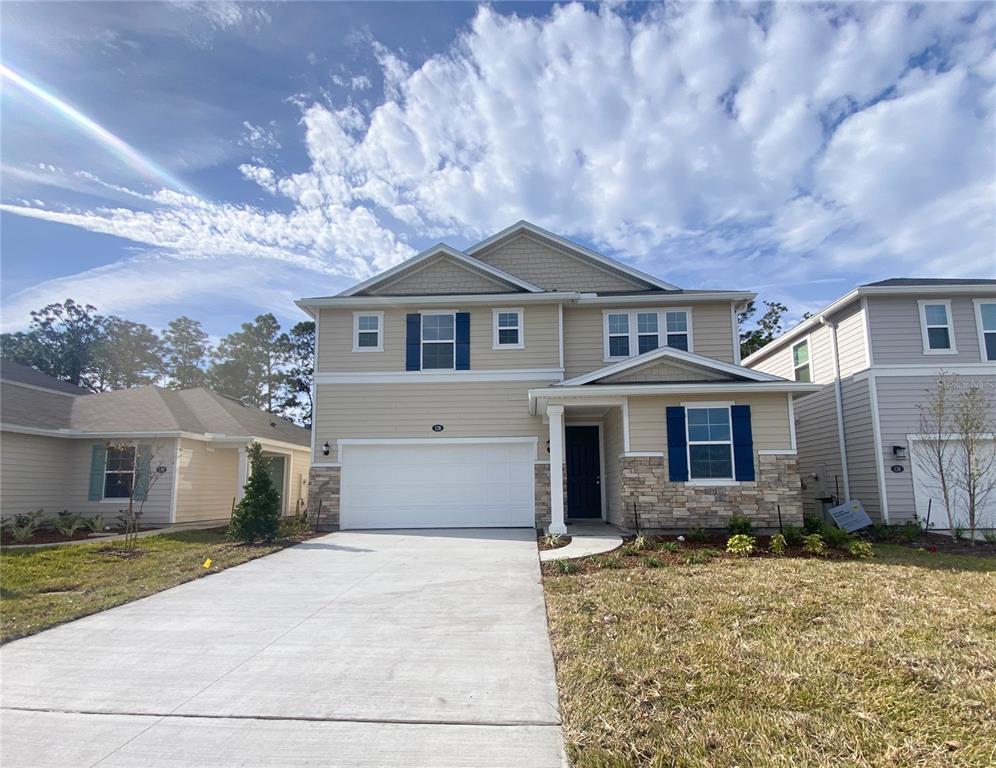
(839, 403)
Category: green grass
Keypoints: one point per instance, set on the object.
(45, 587)
(779, 662)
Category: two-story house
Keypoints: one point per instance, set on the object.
(528, 380)
(876, 354)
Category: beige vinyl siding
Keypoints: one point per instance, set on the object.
(583, 341)
(543, 265)
(778, 363)
(712, 329)
(540, 330)
(465, 409)
(32, 474)
(896, 330)
(441, 274)
(298, 464)
(768, 411)
(613, 447)
(208, 481)
(663, 371)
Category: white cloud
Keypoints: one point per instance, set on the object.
(260, 136)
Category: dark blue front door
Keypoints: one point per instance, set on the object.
(584, 475)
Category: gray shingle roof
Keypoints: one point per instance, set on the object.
(916, 281)
(22, 374)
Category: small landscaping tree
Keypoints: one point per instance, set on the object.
(257, 516)
(975, 471)
(143, 466)
(933, 455)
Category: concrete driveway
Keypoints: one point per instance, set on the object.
(420, 648)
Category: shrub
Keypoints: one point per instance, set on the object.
(905, 533)
(94, 524)
(23, 527)
(793, 535)
(639, 543)
(294, 525)
(836, 537)
(67, 524)
(958, 532)
(670, 546)
(551, 540)
(257, 516)
(990, 537)
(813, 544)
(698, 533)
(652, 562)
(812, 524)
(740, 525)
(777, 545)
(741, 544)
(861, 549)
(610, 561)
(565, 566)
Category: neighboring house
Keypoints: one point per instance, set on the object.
(62, 448)
(876, 353)
(528, 379)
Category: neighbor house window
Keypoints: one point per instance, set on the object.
(119, 472)
(800, 361)
(710, 443)
(935, 323)
(647, 334)
(438, 342)
(641, 331)
(508, 329)
(618, 325)
(985, 316)
(677, 329)
(368, 331)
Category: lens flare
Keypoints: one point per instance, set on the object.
(116, 146)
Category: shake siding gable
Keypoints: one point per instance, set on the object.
(441, 275)
(662, 371)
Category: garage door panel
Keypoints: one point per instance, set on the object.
(446, 485)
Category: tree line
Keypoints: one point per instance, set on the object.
(259, 365)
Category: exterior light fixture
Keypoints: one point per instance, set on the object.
(899, 451)
(326, 448)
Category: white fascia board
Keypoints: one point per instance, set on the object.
(438, 377)
(816, 319)
(350, 302)
(676, 297)
(77, 434)
(525, 226)
(435, 251)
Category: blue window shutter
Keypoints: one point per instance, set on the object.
(413, 342)
(463, 341)
(677, 455)
(743, 442)
(143, 457)
(98, 461)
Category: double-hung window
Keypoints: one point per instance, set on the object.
(439, 342)
(710, 443)
(642, 330)
(935, 325)
(508, 329)
(618, 334)
(677, 328)
(368, 331)
(647, 334)
(985, 316)
(801, 366)
(119, 472)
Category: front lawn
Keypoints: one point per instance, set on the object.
(40, 588)
(777, 661)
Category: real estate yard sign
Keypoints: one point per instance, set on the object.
(850, 516)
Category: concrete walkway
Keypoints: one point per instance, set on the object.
(592, 539)
(356, 649)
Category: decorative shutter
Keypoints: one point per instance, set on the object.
(413, 342)
(98, 462)
(143, 457)
(463, 341)
(677, 442)
(743, 442)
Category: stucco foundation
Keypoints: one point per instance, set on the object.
(323, 486)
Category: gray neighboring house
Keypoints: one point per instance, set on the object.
(878, 351)
(63, 448)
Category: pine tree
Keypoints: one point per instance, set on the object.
(257, 516)
(186, 349)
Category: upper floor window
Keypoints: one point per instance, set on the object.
(801, 366)
(119, 472)
(710, 443)
(439, 342)
(368, 331)
(640, 331)
(508, 329)
(985, 316)
(935, 325)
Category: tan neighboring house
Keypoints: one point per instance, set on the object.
(62, 448)
(875, 353)
(526, 381)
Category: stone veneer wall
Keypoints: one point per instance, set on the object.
(663, 505)
(324, 485)
(541, 492)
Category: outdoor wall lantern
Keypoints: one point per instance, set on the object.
(547, 446)
(899, 451)
(326, 448)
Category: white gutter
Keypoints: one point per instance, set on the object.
(675, 297)
(210, 437)
(346, 302)
(839, 404)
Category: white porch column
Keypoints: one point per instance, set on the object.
(243, 475)
(555, 413)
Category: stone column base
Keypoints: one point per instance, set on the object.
(323, 497)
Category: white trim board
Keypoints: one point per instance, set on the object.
(314, 303)
(432, 440)
(438, 376)
(930, 369)
(75, 434)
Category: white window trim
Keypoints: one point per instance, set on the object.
(732, 480)
(422, 342)
(981, 331)
(808, 341)
(356, 332)
(922, 304)
(519, 312)
(634, 333)
(134, 474)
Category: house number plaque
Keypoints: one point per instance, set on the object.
(437, 427)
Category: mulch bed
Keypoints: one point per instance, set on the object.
(52, 536)
(544, 545)
(938, 542)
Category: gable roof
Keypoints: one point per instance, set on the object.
(22, 374)
(452, 253)
(679, 356)
(925, 281)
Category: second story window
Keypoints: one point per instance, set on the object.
(368, 331)
(935, 325)
(438, 342)
(985, 316)
(646, 332)
(508, 329)
(643, 330)
(800, 361)
(618, 335)
(677, 329)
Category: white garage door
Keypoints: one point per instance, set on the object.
(927, 492)
(437, 485)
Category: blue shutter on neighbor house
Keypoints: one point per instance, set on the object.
(413, 342)
(463, 341)
(743, 442)
(143, 458)
(677, 454)
(98, 461)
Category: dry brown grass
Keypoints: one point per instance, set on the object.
(779, 662)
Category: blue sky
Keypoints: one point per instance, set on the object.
(283, 150)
